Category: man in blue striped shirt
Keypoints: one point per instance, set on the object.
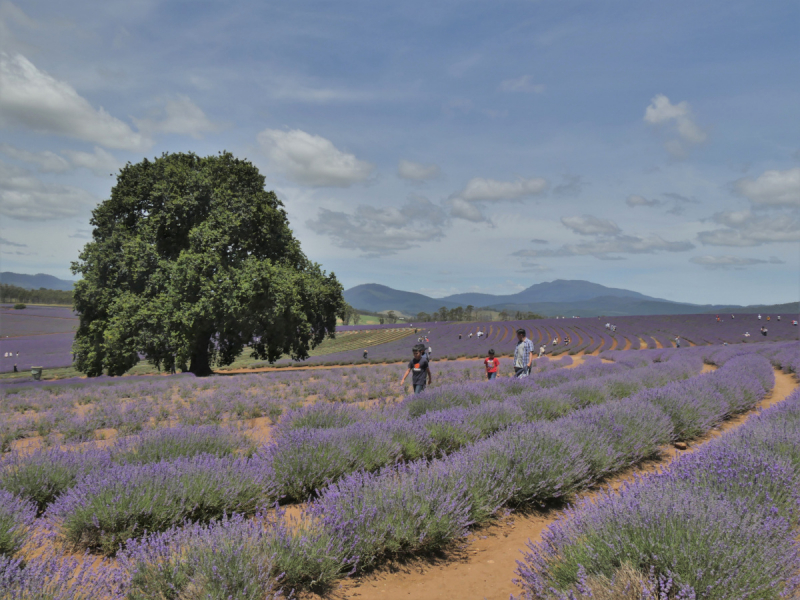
(523, 355)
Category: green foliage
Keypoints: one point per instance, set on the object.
(192, 260)
(19, 306)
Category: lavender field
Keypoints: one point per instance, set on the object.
(187, 483)
(24, 334)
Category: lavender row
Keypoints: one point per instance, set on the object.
(721, 523)
(76, 409)
(425, 505)
(307, 458)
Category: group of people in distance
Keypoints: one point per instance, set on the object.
(420, 371)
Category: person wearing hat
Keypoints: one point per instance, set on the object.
(523, 354)
(492, 364)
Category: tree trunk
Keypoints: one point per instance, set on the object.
(200, 364)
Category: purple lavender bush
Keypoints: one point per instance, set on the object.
(231, 558)
(57, 576)
(720, 524)
(44, 474)
(16, 518)
(106, 508)
(175, 442)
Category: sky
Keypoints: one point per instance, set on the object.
(435, 147)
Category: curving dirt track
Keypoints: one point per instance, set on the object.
(484, 566)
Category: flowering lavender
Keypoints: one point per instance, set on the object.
(719, 524)
(57, 576)
(43, 475)
(16, 518)
(107, 507)
(174, 442)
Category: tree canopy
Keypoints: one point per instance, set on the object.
(190, 261)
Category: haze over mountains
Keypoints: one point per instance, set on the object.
(35, 282)
(559, 297)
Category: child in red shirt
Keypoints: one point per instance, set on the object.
(491, 363)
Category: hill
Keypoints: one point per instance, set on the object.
(560, 297)
(35, 282)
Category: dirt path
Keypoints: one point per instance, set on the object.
(484, 566)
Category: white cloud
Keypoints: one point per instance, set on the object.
(522, 84)
(479, 189)
(179, 116)
(24, 197)
(382, 231)
(100, 162)
(32, 98)
(636, 200)
(461, 209)
(45, 161)
(416, 171)
(591, 225)
(661, 111)
(604, 248)
(744, 228)
(311, 159)
(772, 188)
(727, 262)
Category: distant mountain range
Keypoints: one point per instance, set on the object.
(559, 297)
(34, 282)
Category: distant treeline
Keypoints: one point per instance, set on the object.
(13, 293)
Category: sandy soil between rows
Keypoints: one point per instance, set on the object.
(483, 567)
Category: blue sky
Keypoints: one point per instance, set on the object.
(437, 147)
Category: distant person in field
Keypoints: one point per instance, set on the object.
(523, 354)
(365, 354)
(470, 335)
(794, 322)
(492, 364)
(767, 317)
(459, 336)
(430, 352)
(677, 341)
(746, 334)
(542, 350)
(420, 369)
(732, 317)
(759, 317)
(778, 317)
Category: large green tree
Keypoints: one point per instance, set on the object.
(190, 261)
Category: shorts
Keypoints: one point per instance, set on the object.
(491, 376)
(419, 388)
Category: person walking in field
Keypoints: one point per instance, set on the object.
(677, 341)
(523, 354)
(492, 364)
(430, 352)
(542, 350)
(365, 354)
(419, 367)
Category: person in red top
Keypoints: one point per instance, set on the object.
(491, 363)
